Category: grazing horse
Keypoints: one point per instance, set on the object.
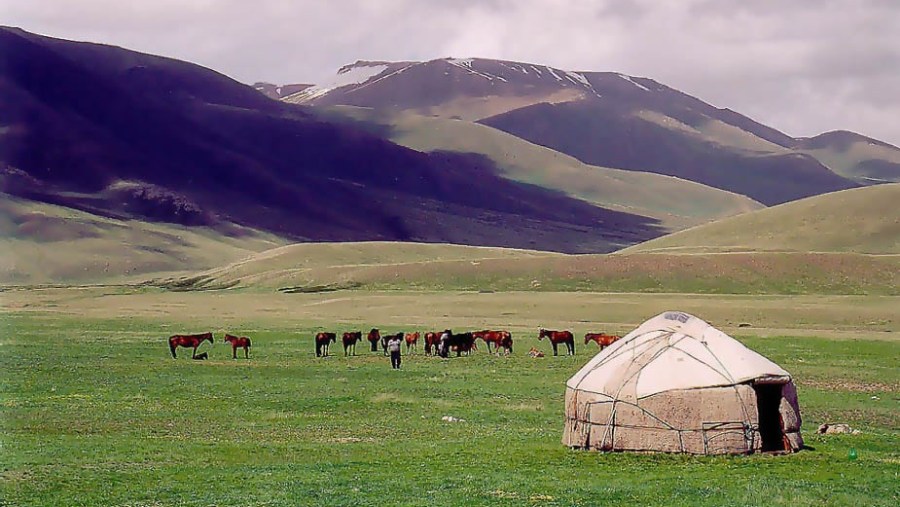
(603, 340)
(412, 341)
(557, 337)
(432, 340)
(506, 342)
(188, 340)
(497, 338)
(374, 337)
(463, 342)
(238, 341)
(322, 341)
(349, 339)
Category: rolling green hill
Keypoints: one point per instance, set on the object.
(677, 203)
(45, 243)
(864, 220)
(410, 266)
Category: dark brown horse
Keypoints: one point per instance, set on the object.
(557, 337)
(412, 341)
(374, 337)
(506, 342)
(188, 340)
(349, 339)
(322, 341)
(238, 342)
(602, 339)
(463, 342)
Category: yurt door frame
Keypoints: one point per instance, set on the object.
(768, 403)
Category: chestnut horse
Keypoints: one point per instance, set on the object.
(500, 339)
(322, 341)
(412, 341)
(349, 339)
(374, 337)
(236, 342)
(188, 340)
(603, 340)
(432, 339)
(557, 337)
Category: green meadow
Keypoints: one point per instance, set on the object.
(94, 411)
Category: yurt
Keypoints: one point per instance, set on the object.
(677, 384)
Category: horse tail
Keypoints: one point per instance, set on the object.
(172, 347)
(249, 343)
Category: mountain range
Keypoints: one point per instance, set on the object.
(136, 135)
(613, 120)
(467, 151)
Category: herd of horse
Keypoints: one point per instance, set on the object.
(440, 343)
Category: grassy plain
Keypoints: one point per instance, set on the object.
(95, 412)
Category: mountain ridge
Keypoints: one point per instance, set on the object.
(608, 112)
(184, 137)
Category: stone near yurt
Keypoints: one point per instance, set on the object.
(677, 384)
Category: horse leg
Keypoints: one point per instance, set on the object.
(247, 352)
(194, 355)
(554, 348)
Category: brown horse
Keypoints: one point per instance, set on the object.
(349, 339)
(188, 340)
(238, 342)
(322, 341)
(500, 339)
(557, 337)
(506, 342)
(602, 339)
(374, 337)
(432, 339)
(412, 341)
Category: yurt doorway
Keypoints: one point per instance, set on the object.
(768, 402)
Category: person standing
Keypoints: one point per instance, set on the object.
(393, 346)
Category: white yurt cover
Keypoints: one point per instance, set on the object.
(677, 384)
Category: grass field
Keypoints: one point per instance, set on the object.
(402, 266)
(93, 411)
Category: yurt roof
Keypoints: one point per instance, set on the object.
(671, 351)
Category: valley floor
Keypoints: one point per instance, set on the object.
(96, 412)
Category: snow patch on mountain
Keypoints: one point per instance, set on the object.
(635, 83)
(554, 74)
(466, 65)
(348, 75)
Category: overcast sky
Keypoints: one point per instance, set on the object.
(801, 66)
